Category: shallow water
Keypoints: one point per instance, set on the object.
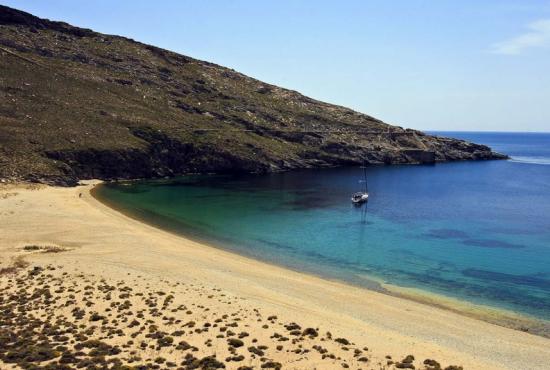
(476, 231)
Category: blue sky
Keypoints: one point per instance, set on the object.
(431, 65)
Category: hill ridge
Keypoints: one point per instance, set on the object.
(77, 104)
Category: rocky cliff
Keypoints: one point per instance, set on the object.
(78, 104)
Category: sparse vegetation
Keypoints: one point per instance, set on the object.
(44, 248)
(52, 320)
(17, 264)
(79, 104)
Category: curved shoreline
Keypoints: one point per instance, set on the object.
(107, 243)
(494, 315)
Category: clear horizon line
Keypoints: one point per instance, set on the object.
(490, 131)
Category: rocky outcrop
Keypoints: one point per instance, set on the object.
(14, 17)
(76, 104)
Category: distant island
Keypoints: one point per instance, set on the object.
(77, 104)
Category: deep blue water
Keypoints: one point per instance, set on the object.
(477, 231)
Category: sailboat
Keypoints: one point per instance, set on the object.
(362, 196)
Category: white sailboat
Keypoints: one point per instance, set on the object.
(362, 196)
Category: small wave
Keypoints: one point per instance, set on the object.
(531, 160)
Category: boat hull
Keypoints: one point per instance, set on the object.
(360, 198)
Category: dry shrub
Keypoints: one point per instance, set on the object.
(18, 263)
(44, 248)
(53, 249)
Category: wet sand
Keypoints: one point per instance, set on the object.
(93, 242)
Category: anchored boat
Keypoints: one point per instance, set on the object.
(362, 196)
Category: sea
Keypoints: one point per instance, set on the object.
(474, 231)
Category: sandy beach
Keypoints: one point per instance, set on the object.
(210, 302)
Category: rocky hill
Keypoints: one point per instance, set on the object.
(78, 104)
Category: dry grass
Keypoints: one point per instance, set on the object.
(44, 248)
(54, 249)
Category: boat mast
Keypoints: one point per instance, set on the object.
(365, 176)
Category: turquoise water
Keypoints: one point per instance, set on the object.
(477, 231)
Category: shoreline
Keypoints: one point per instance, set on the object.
(495, 315)
(105, 242)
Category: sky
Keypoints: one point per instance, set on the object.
(464, 65)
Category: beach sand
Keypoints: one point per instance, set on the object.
(125, 290)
